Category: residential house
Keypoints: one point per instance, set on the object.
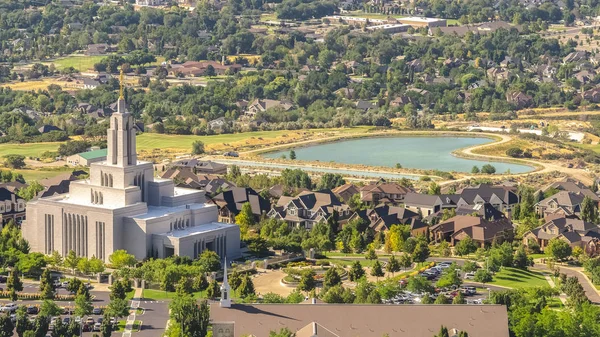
(262, 105)
(585, 76)
(381, 218)
(375, 193)
(217, 124)
(563, 202)
(591, 95)
(519, 99)
(423, 204)
(195, 69)
(347, 93)
(576, 56)
(366, 105)
(346, 191)
(485, 210)
(216, 186)
(571, 185)
(482, 231)
(309, 208)
(48, 128)
(90, 83)
(574, 231)
(97, 49)
(59, 184)
(12, 207)
(416, 65)
(502, 198)
(230, 203)
(400, 101)
(498, 74)
(201, 166)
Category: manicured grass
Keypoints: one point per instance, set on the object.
(136, 325)
(595, 148)
(84, 62)
(517, 278)
(28, 149)
(130, 295)
(156, 295)
(121, 326)
(79, 62)
(40, 174)
(539, 256)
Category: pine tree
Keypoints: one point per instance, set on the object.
(393, 265)
(14, 284)
(356, 271)
(376, 270)
(246, 289)
(213, 290)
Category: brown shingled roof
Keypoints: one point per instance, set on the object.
(350, 320)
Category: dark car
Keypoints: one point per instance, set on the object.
(32, 310)
(97, 311)
(2, 279)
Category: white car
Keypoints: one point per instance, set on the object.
(469, 276)
(8, 307)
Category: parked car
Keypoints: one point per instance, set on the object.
(97, 311)
(9, 307)
(3, 279)
(90, 320)
(32, 310)
(469, 276)
(468, 291)
(57, 283)
(97, 326)
(66, 320)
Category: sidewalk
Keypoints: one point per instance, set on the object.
(135, 304)
(591, 292)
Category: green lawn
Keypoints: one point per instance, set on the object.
(517, 278)
(121, 326)
(130, 295)
(84, 62)
(156, 295)
(28, 149)
(30, 175)
(79, 62)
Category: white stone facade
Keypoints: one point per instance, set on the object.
(122, 206)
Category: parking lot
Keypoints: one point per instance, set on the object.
(473, 293)
(153, 317)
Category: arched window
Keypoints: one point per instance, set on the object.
(101, 179)
(187, 223)
(95, 197)
(101, 202)
(110, 180)
(92, 196)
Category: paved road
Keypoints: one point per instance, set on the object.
(590, 291)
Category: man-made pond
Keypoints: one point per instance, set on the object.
(410, 152)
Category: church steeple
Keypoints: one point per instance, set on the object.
(225, 289)
(121, 134)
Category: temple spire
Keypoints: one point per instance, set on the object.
(225, 289)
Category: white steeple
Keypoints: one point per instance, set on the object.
(225, 289)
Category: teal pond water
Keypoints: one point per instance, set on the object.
(426, 153)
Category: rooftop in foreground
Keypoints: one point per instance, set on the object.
(349, 320)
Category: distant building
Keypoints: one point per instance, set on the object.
(309, 208)
(261, 105)
(477, 228)
(230, 203)
(87, 158)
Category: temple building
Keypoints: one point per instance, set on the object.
(123, 206)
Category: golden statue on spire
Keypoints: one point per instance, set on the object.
(121, 83)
